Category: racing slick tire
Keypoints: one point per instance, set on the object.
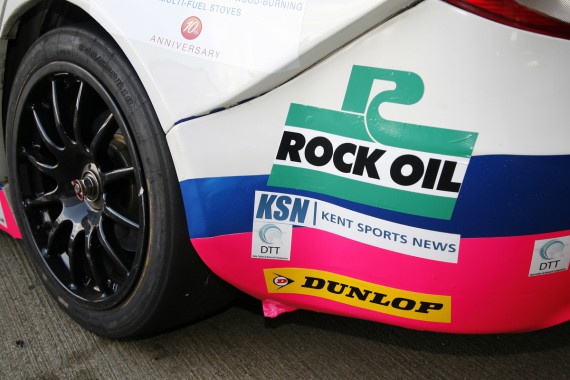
(95, 192)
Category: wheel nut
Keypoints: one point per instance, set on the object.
(78, 189)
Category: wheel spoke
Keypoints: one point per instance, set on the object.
(110, 251)
(92, 262)
(117, 174)
(76, 115)
(75, 263)
(43, 198)
(76, 270)
(50, 170)
(48, 142)
(102, 132)
(119, 218)
(55, 225)
(57, 115)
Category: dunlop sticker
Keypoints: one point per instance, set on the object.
(361, 294)
(356, 154)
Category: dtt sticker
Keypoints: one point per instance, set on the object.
(356, 154)
(271, 240)
(550, 256)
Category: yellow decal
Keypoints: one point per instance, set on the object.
(361, 294)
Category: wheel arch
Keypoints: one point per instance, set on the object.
(25, 23)
(24, 26)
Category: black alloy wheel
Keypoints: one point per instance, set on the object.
(81, 185)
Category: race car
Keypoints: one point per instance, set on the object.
(398, 161)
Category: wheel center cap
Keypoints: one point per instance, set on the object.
(87, 187)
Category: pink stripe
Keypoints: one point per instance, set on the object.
(11, 226)
(490, 287)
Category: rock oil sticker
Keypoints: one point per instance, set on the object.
(356, 154)
(361, 294)
(275, 214)
(259, 35)
(550, 256)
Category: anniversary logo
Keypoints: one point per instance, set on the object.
(356, 154)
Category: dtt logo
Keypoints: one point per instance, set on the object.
(358, 155)
(271, 236)
(552, 253)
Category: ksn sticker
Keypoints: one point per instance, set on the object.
(356, 154)
(357, 293)
(276, 213)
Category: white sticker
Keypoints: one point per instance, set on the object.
(287, 209)
(2, 218)
(550, 256)
(256, 34)
(271, 241)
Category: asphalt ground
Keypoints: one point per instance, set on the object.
(38, 341)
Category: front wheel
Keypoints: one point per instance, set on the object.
(95, 192)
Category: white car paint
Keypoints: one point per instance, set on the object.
(182, 86)
(509, 85)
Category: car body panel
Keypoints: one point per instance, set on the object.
(413, 176)
(183, 83)
(486, 256)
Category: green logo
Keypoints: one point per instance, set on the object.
(358, 155)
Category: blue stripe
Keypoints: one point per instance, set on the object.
(501, 196)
